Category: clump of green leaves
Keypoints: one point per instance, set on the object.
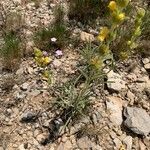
(72, 101)
(86, 11)
(57, 30)
(10, 51)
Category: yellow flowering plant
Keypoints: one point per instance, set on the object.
(108, 35)
(42, 61)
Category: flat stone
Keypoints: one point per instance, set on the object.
(115, 82)
(114, 106)
(145, 61)
(86, 37)
(137, 120)
(128, 142)
(20, 71)
(117, 143)
(147, 66)
(142, 145)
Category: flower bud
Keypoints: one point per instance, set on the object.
(129, 42)
(112, 5)
(118, 18)
(141, 13)
(121, 16)
(137, 31)
(138, 22)
(123, 3)
(133, 45)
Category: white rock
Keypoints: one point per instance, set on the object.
(137, 120)
(131, 96)
(142, 146)
(86, 37)
(30, 70)
(114, 106)
(145, 61)
(147, 66)
(20, 71)
(128, 142)
(117, 143)
(25, 86)
(115, 82)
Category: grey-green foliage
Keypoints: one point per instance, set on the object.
(73, 101)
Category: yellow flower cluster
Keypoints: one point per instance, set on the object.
(40, 59)
(103, 34)
(116, 10)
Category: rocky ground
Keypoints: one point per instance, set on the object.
(120, 114)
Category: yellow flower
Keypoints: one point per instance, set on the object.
(121, 16)
(103, 34)
(118, 18)
(39, 60)
(47, 60)
(112, 5)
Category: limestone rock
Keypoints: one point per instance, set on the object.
(114, 106)
(115, 82)
(138, 120)
(128, 142)
(145, 61)
(147, 66)
(86, 37)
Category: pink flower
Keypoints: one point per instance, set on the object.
(58, 53)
